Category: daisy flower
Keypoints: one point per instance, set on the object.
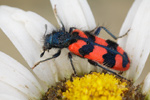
(25, 29)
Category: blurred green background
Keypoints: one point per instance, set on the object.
(109, 13)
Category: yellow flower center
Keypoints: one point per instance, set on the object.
(95, 86)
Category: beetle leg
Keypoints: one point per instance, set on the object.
(71, 29)
(55, 12)
(54, 56)
(97, 32)
(70, 57)
(96, 64)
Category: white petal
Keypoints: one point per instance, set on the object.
(74, 13)
(9, 97)
(137, 45)
(18, 77)
(25, 30)
(128, 22)
(11, 91)
(146, 86)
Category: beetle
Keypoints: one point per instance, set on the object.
(86, 45)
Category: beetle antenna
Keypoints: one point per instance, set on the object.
(45, 30)
(42, 53)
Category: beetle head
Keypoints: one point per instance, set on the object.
(47, 43)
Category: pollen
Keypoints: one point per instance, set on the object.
(95, 86)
